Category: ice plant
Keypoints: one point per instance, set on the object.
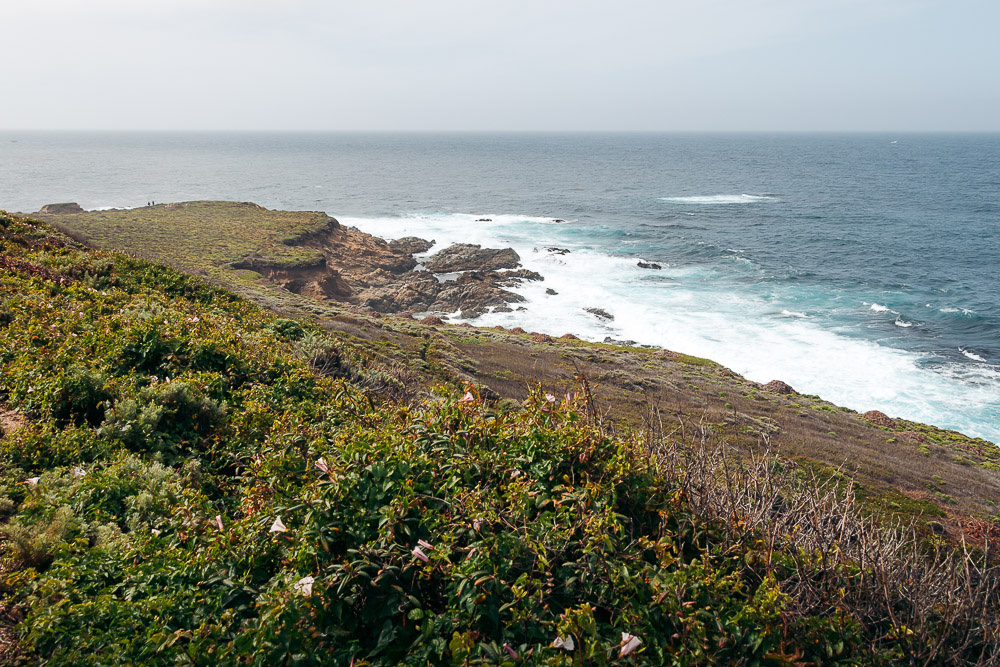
(278, 526)
(629, 643)
(304, 586)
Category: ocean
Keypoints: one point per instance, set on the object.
(860, 267)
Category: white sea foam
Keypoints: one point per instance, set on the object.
(900, 322)
(971, 355)
(698, 312)
(719, 199)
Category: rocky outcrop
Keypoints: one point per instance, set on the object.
(61, 209)
(470, 257)
(879, 419)
(649, 265)
(410, 245)
(778, 387)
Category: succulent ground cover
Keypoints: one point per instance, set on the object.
(186, 477)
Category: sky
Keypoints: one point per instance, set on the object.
(535, 65)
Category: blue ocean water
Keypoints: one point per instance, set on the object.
(863, 268)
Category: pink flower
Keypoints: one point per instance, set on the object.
(321, 464)
(32, 481)
(278, 526)
(472, 552)
(629, 643)
(425, 545)
(565, 644)
(218, 521)
(511, 652)
(550, 398)
(477, 524)
(79, 472)
(468, 398)
(155, 532)
(304, 586)
(419, 553)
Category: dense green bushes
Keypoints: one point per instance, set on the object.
(200, 482)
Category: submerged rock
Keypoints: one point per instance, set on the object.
(649, 265)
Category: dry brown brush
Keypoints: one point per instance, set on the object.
(915, 599)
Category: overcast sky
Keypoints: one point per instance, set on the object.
(670, 65)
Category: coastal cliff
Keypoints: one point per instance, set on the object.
(186, 475)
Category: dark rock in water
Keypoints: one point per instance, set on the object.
(432, 321)
(879, 419)
(558, 251)
(649, 265)
(410, 245)
(68, 207)
(601, 313)
(778, 387)
(551, 291)
(516, 276)
(558, 220)
(470, 257)
(484, 220)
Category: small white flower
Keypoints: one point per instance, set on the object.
(31, 390)
(193, 320)
(155, 532)
(566, 644)
(419, 553)
(629, 644)
(550, 398)
(278, 526)
(425, 545)
(477, 524)
(79, 472)
(321, 464)
(304, 586)
(218, 521)
(32, 481)
(468, 398)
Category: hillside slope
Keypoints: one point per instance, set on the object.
(188, 477)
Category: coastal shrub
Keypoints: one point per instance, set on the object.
(166, 417)
(34, 544)
(80, 396)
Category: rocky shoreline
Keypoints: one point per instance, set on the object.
(350, 266)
